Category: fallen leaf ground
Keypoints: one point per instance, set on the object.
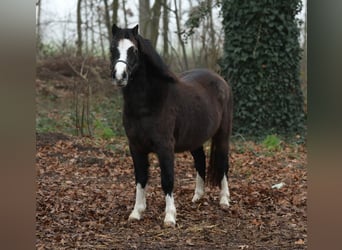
(86, 188)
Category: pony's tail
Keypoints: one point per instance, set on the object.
(219, 150)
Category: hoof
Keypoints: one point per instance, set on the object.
(170, 224)
(196, 198)
(224, 203)
(170, 219)
(134, 216)
(224, 207)
(199, 190)
(170, 212)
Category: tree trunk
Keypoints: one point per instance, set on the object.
(107, 20)
(125, 12)
(165, 29)
(192, 41)
(204, 55)
(79, 42)
(179, 34)
(156, 12)
(264, 74)
(86, 12)
(304, 63)
(115, 7)
(101, 38)
(212, 50)
(144, 17)
(149, 20)
(92, 27)
(39, 33)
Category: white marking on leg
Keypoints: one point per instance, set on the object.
(199, 190)
(224, 193)
(140, 203)
(170, 211)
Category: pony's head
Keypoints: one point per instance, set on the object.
(124, 54)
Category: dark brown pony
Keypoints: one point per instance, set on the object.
(165, 114)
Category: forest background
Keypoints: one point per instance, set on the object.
(76, 34)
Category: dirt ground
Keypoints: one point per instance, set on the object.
(86, 189)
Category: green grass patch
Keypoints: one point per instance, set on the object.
(272, 143)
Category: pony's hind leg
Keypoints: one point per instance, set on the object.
(141, 164)
(219, 167)
(199, 158)
(224, 193)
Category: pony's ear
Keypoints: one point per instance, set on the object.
(115, 29)
(135, 30)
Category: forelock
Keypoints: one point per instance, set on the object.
(125, 34)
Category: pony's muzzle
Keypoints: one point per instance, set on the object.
(119, 83)
(120, 73)
(119, 80)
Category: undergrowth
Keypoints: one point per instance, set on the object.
(59, 116)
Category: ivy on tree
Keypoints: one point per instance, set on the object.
(262, 62)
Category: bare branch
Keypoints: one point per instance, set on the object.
(79, 73)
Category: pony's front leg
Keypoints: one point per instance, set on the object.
(199, 158)
(140, 161)
(166, 162)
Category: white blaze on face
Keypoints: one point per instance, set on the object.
(123, 46)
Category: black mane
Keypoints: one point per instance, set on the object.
(156, 62)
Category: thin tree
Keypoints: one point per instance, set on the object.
(125, 12)
(92, 24)
(107, 20)
(115, 7)
(79, 42)
(156, 12)
(86, 23)
(304, 63)
(192, 41)
(99, 22)
(212, 50)
(165, 29)
(38, 26)
(179, 34)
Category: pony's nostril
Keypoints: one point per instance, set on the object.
(124, 75)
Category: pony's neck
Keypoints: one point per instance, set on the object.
(148, 88)
(153, 62)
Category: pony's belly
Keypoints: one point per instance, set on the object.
(191, 136)
(190, 144)
(183, 148)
